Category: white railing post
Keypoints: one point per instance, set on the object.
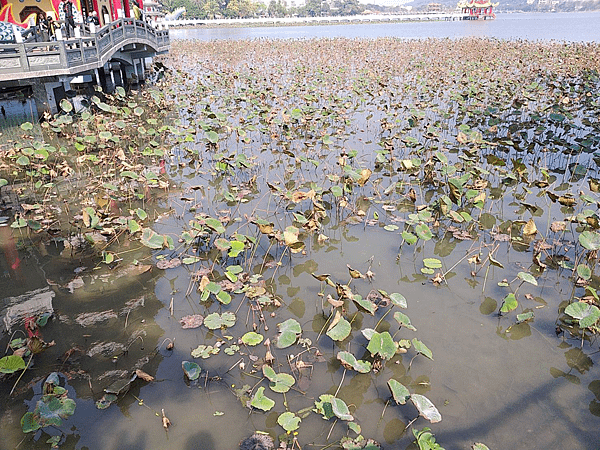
(18, 35)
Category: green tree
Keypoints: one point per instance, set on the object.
(313, 8)
(241, 8)
(347, 8)
(211, 9)
(277, 9)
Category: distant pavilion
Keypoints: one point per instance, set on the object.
(477, 9)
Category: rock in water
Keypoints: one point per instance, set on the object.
(257, 442)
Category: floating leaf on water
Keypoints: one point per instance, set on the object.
(66, 105)
(289, 421)
(525, 317)
(336, 191)
(584, 271)
(212, 137)
(340, 331)
(479, 446)
(190, 260)
(222, 244)
(409, 237)
(399, 392)
(289, 331)
(129, 174)
(509, 303)
(590, 240)
(191, 370)
(354, 427)
(51, 409)
(382, 344)
(193, 321)
(432, 263)
(349, 361)
(29, 423)
(224, 297)
(260, 401)
(340, 409)
(365, 304)
(236, 248)
(12, 363)
(587, 314)
(134, 227)
(279, 382)
(368, 333)
(527, 277)
(215, 225)
(403, 320)
(423, 232)
(426, 408)
(323, 406)
(398, 300)
(23, 160)
(205, 351)
(215, 321)
(422, 348)
(152, 239)
(251, 338)
(106, 401)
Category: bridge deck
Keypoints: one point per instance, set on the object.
(70, 57)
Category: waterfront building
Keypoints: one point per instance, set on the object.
(477, 9)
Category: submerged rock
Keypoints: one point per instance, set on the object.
(257, 442)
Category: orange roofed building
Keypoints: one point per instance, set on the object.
(477, 9)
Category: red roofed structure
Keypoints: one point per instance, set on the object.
(477, 9)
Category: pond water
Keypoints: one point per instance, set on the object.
(462, 175)
(573, 27)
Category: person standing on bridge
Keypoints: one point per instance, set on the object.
(70, 21)
(137, 12)
(52, 25)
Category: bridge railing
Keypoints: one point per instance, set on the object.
(64, 57)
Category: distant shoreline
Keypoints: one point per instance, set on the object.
(339, 20)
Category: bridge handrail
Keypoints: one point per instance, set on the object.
(32, 59)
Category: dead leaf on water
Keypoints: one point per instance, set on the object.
(333, 302)
(164, 264)
(193, 321)
(336, 319)
(365, 174)
(529, 229)
(165, 421)
(143, 375)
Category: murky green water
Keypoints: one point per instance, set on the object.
(350, 152)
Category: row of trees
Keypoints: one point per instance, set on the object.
(210, 9)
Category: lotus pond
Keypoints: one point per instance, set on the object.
(340, 243)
